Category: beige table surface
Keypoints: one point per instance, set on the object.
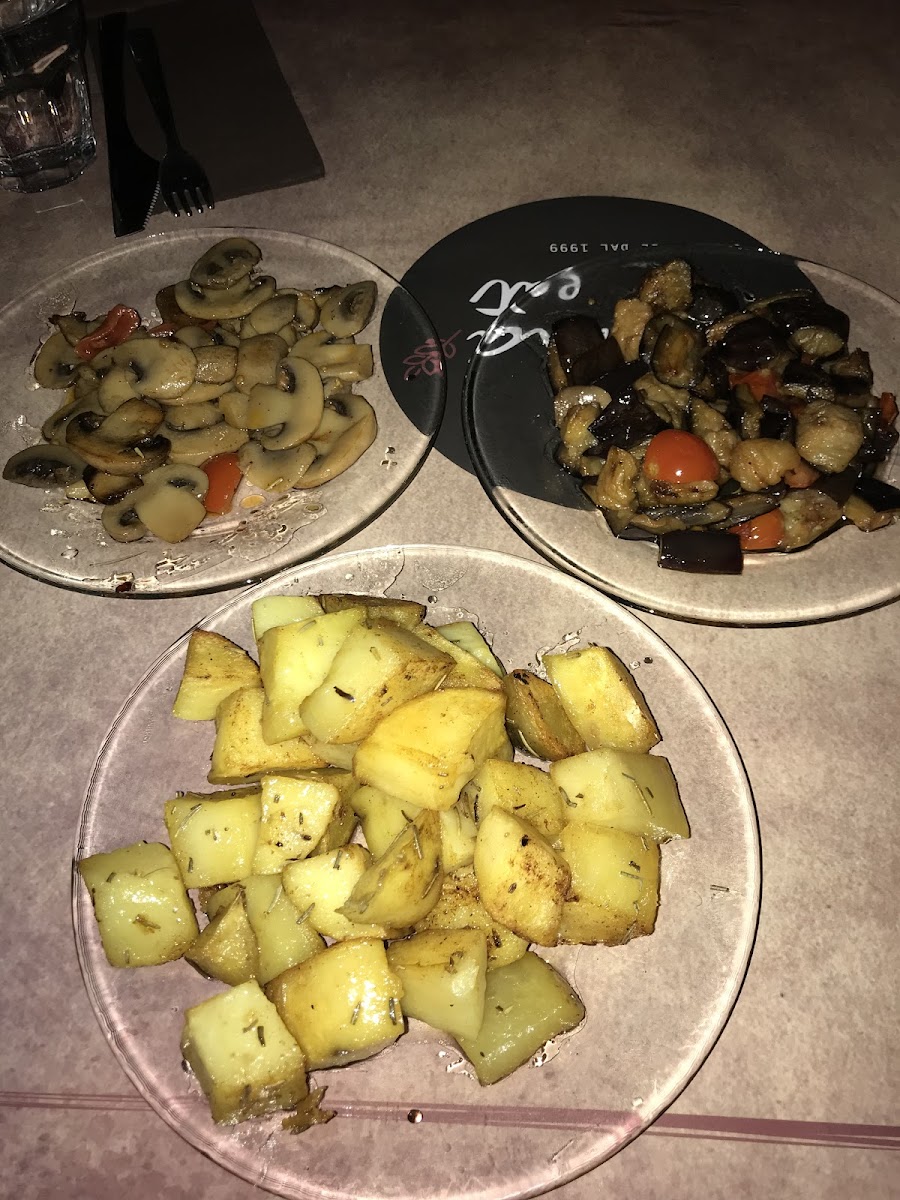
(782, 119)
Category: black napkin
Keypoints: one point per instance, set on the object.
(233, 108)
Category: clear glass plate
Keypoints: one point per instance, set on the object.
(62, 542)
(508, 419)
(654, 1007)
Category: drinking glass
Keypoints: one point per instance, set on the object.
(46, 136)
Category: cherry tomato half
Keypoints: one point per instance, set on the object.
(674, 456)
(121, 322)
(224, 474)
(761, 533)
(761, 383)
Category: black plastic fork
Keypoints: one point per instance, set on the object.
(183, 183)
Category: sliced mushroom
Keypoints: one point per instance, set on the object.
(309, 344)
(258, 361)
(271, 315)
(222, 336)
(135, 419)
(195, 446)
(109, 489)
(233, 407)
(45, 466)
(306, 310)
(54, 428)
(194, 336)
(288, 334)
(163, 368)
(225, 263)
(348, 311)
(121, 521)
(276, 470)
(116, 386)
(82, 434)
(179, 475)
(193, 416)
(75, 325)
(215, 364)
(201, 393)
(56, 362)
(302, 388)
(334, 458)
(335, 360)
(222, 303)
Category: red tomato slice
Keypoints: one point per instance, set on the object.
(888, 408)
(761, 383)
(224, 474)
(803, 476)
(120, 324)
(761, 533)
(674, 456)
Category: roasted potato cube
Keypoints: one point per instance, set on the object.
(270, 611)
(525, 791)
(466, 670)
(294, 659)
(614, 892)
(458, 833)
(465, 635)
(321, 885)
(406, 613)
(537, 719)
(340, 829)
(341, 1005)
(295, 812)
(242, 1055)
(214, 667)
(526, 1004)
(336, 756)
(522, 881)
(282, 939)
(428, 749)
(401, 885)
(213, 837)
(443, 973)
(241, 753)
(634, 792)
(459, 907)
(144, 915)
(382, 817)
(601, 699)
(226, 949)
(378, 668)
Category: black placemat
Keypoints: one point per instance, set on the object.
(233, 107)
(471, 276)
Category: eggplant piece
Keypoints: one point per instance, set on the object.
(652, 332)
(624, 422)
(851, 374)
(620, 380)
(777, 424)
(804, 381)
(879, 438)
(677, 356)
(668, 286)
(580, 352)
(751, 345)
(880, 494)
(711, 304)
(840, 486)
(744, 412)
(704, 552)
(620, 527)
(816, 329)
(744, 506)
(665, 518)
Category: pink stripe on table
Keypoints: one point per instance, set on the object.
(717, 1128)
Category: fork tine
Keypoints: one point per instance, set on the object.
(206, 193)
(171, 204)
(186, 201)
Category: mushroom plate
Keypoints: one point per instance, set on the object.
(63, 541)
(508, 387)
